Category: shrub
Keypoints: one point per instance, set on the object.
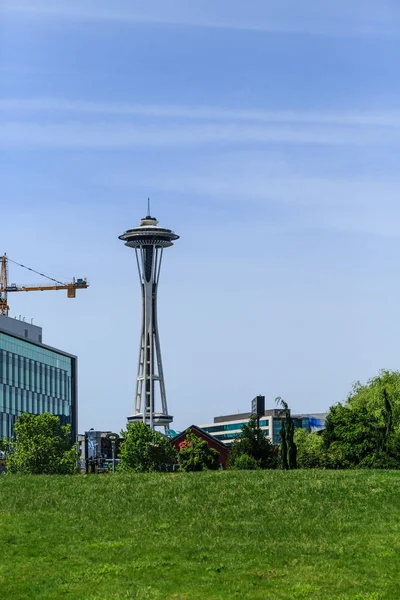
(195, 455)
(145, 450)
(311, 452)
(246, 462)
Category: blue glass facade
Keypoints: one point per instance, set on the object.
(35, 379)
(276, 431)
(230, 427)
(218, 430)
(271, 427)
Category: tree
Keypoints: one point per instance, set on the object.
(364, 432)
(356, 437)
(372, 394)
(288, 450)
(252, 442)
(144, 450)
(311, 452)
(195, 455)
(42, 446)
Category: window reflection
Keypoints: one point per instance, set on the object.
(34, 380)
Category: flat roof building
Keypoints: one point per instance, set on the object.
(34, 378)
(225, 428)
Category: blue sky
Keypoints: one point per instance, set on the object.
(266, 134)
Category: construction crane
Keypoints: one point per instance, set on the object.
(6, 287)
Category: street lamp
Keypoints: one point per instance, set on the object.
(113, 437)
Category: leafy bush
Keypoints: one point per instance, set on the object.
(41, 446)
(195, 455)
(144, 450)
(311, 452)
(246, 463)
(379, 460)
(4, 446)
(251, 441)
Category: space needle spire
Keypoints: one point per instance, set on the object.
(149, 241)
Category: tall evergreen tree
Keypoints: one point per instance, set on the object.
(288, 450)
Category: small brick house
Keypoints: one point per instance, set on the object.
(210, 439)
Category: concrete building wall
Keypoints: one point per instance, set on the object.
(21, 328)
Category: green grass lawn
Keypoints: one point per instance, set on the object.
(268, 535)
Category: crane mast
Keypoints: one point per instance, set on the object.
(6, 287)
(4, 308)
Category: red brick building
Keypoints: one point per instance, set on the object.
(210, 439)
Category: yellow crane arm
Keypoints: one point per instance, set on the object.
(70, 287)
(5, 287)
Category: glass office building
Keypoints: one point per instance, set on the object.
(34, 378)
(226, 428)
(226, 431)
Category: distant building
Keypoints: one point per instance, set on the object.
(225, 428)
(211, 440)
(94, 445)
(34, 378)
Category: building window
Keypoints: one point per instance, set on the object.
(226, 436)
(33, 379)
(26, 333)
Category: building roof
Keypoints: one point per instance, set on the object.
(204, 434)
(35, 342)
(269, 412)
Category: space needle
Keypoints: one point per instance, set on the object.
(149, 241)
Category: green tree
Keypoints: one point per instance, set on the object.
(372, 394)
(311, 452)
(356, 437)
(364, 432)
(144, 450)
(195, 455)
(41, 446)
(252, 442)
(288, 449)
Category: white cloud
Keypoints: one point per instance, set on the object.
(45, 122)
(335, 170)
(304, 199)
(106, 135)
(288, 16)
(384, 118)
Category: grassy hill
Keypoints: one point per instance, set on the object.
(263, 535)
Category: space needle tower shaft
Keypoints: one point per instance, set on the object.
(149, 241)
